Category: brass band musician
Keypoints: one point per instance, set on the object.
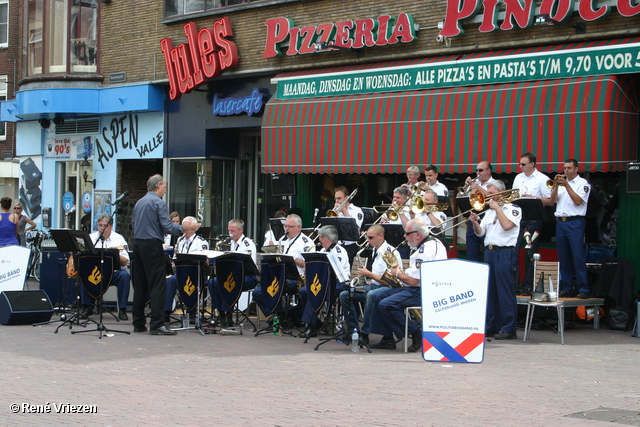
(431, 175)
(349, 210)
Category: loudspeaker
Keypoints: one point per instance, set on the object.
(633, 178)
(53, 278)
(283, 184)
(24, 307)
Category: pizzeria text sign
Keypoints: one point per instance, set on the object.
(618, 59)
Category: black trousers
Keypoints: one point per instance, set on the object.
(148, 279)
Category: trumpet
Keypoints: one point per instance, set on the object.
(419, 188)
(553, 183)
(465, 189)
(478, 202)
(336, 209)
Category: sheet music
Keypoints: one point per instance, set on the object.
(340, 274)
(208, 253)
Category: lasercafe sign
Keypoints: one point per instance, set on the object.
(356, 34)
(251, 104)
(207, 53)
(522, 13)
(617, 59)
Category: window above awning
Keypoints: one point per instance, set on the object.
(592, 119)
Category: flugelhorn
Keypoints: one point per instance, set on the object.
(552, 183)
(336, 209)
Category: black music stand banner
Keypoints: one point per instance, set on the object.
(231, 269)
(95, 281)
(188, 274)
(275, 270)
(532, 209)
(319, 278)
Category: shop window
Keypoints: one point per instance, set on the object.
(4, 24)
(186, 7)
(62, 36)
(3, 97)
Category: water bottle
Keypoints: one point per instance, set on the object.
(354, 341)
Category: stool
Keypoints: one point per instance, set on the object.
(407, 313)
(559, 305)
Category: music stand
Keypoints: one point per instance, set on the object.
(393, 234)
(276, 262)
(277, 227)
(73, 242)
(238, 265)
(445, 199)
(532, 209)
(347, 227)
(200, 263)
(204, 232)
(370, 217)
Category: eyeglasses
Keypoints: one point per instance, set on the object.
(18, 208)
(480, 170)
(524, 164)
(370, 237)
(410, 233)
(289, 226)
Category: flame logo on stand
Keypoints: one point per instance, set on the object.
(273, 288)
(95, 277)
(230, 283)
(189, 288)
(316, 286)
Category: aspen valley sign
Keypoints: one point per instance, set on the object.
(521, 13)
(356, 34)
(207, 53)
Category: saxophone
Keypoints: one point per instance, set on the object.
(359, 280)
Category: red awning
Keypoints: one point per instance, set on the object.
(591, 119)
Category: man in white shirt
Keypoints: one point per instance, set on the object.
(372, 273)
(241, 244)
(349, 210)
(121, 278)
(295, 243)
(328, 237)
(431, 175)
(388, 305)
(500, 229)
(532, 184)
(475, 243)
(188, 243)
(571, 194)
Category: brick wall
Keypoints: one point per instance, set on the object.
(10, 66)
(132, 44)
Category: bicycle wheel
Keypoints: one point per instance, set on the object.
(34, 267)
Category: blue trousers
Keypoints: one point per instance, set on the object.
(571, 254)
(474, 244)
(348, 304)
(122, 280)
(392, 310)
(216, 296)
(379, 324)
(502, 306)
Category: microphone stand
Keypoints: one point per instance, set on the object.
(100, 326)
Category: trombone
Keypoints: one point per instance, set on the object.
(336, 209)
(553, 183)
(417, 205)
(479, 201)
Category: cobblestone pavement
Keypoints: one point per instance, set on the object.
(242, 380)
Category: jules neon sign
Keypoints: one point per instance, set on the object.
(521, 13)
(206, 54)
(356, 34)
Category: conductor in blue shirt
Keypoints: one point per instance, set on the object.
(150, 223)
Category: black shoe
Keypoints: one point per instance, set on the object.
(227, 320)
(567, 294)
(414, 348)
(505, 336)
(162, 330)
(583, 295)
(526, 292)
(489, 334)
(123, 314)
(309, 333)
(86, 313)
(384, 344)
(140, 329)
(364, 340)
